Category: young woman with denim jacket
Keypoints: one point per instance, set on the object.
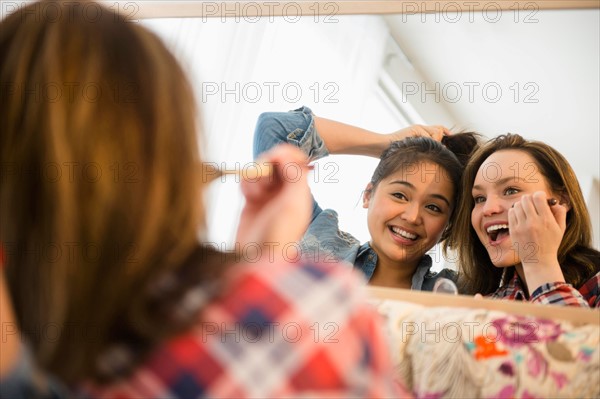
(410, 198)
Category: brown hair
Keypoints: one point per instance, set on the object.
(578, 260)
(100, 199)
(451, 155)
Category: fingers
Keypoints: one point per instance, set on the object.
(521, 216)
(513, 219)
(436, 132)
(286, 161)
(517, 213)
(419, 131)
(286, 153)
(558, 211)
(529, 208)
(443, 130)
(278, 204)
(535, 208)
(282, 164)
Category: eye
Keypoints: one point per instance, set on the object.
(478, 199)
(400, 196)
(511, 191)
(434, 208)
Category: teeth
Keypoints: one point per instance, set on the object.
(497, 227)
(403, 233)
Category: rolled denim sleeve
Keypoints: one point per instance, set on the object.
(295, 127)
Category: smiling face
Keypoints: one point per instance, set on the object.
(408, 211)
(501, 180)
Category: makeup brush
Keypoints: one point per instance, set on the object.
(256, 171)
(551, 202)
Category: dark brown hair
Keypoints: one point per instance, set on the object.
(101, 202)
(578, 260)
(451, 155)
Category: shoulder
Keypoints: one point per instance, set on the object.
(324, 236)
(431, 277)
(590, 290)
(308, 313)
(447, 273)
(292, 280)
(308, 321)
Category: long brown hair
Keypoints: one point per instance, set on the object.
(578, 260)
(100, 196)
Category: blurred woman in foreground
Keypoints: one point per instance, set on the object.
(101, 209)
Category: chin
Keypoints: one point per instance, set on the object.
(506, 258)
(502, 265)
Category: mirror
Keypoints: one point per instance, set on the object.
(492, 67)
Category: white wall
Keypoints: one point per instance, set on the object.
(551, 57)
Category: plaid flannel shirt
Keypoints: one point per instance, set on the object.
(558, 293)
(277, 330)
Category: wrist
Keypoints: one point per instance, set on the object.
(380, 142)
(542, 272)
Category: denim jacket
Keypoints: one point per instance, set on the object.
(323, 240)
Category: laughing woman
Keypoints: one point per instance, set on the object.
(410, 198)
(523, 231)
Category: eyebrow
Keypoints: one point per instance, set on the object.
(411, 186)
(502, 181)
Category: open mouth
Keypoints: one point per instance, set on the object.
(397, 231)
(497, 232)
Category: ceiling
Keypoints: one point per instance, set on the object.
(537, 76)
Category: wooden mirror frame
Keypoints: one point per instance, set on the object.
(255, 9)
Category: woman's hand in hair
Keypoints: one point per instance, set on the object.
(435, 132)
(341, 138)
(536, 230)
(278, 205)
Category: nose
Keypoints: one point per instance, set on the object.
(412, 213)
(493, 205)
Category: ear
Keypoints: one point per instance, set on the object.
(367, 195)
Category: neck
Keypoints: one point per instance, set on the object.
(393, 274)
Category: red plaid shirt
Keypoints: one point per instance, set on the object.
(286, 330)
(559, 293)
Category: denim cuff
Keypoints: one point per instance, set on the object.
(294, 127)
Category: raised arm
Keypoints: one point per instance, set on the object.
(340, 138)
(319, 137)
